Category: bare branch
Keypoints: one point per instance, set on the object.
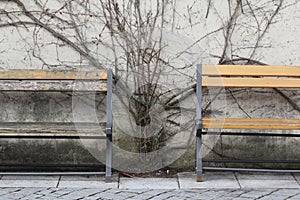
(57, 35)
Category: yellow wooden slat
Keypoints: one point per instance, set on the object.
(250, 70)
(52, 75)
(255, 123)
(251, 82)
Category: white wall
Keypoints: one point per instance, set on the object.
(186, 29)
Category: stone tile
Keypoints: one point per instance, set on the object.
(233, 193)
(266, 180)
(281, 194)
(165, 195)
(211, 180)
(296, 197)
(4, 191)
(56, 193)
(154, 195)
(29, 181)
(104, 195)
(256, 194)
(297, 177)
(87, 182)
(80, 193)
(148, 183)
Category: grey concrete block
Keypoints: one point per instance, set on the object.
(29, 181)
(263, 180)
(148, 183)
(211, 180)
(87, 182)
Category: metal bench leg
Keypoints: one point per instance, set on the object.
(108, 171)
(199, 173)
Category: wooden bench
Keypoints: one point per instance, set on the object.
(233, 76)
(60, 81)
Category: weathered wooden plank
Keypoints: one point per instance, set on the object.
(56, 128)
(250, 70)
(52, 85)
(52, 75)
(251, 82)
(254, 123)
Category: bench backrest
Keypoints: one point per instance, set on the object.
(250, 76)
(42, 80)
(238, 76)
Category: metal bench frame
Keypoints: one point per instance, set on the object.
(15, 82)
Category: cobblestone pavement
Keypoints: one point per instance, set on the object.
(94, 193)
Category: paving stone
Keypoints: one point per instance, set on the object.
(27, 193)
(258, 180)
(5, 191)
(93, 193)
(189, 194)
(234, 193)
(105, 194)
(150, 194)
(165, 195)
(215, 194)
(33, 196)
(297, 177)
(282, 194)
(65, 193)
(148, 183)
(256, 194)
(220, 180)
(125, 195)
(78, 193)
(46, 191)
(135, 191)
(19, 193)
(296, 197)
(87, 182)
(287, 192)
(29, 181)
(58, 192)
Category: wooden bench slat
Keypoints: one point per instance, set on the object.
(254, 123)
(251, 82)
(53, 85)
(55, 128)
(52, 75)
(250, 70)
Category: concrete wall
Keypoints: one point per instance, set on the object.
(51, 107)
